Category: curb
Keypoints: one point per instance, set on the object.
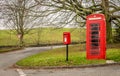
(66, 67)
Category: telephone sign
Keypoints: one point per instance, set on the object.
(96, 36)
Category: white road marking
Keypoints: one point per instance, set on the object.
(21, 73)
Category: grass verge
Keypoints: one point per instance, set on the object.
(56, 57)
(9, 49)
(113, 54)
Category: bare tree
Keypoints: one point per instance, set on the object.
(75, 11)
(19, 17)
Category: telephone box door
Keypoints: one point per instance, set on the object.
(96, 36)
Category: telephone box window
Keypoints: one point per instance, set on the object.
(95, 32)
(94, 25)
(96, 47)
(94, 28)
(94, 52)
(95, 44)
(94, 38)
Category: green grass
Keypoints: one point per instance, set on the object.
(113, 54)
(57, 57)
(41, 36)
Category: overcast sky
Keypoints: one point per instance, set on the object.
(1, 24)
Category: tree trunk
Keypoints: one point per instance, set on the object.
(105, 4)
(21, 43)
(109, 31)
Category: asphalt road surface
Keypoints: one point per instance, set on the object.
(8, 59)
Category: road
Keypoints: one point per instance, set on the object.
(8, 59)
(113, 70)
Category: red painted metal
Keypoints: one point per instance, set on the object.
(96, 36)
(66, 38)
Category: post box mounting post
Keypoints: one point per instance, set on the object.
(66, 52)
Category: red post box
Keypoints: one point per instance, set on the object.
(66, 38)
(66, 41)
(96, 36)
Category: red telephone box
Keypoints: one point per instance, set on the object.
(96, 36)
(66, 38)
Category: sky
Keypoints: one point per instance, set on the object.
(1, 24)
(1, 20)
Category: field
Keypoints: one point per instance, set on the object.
(41, 36)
